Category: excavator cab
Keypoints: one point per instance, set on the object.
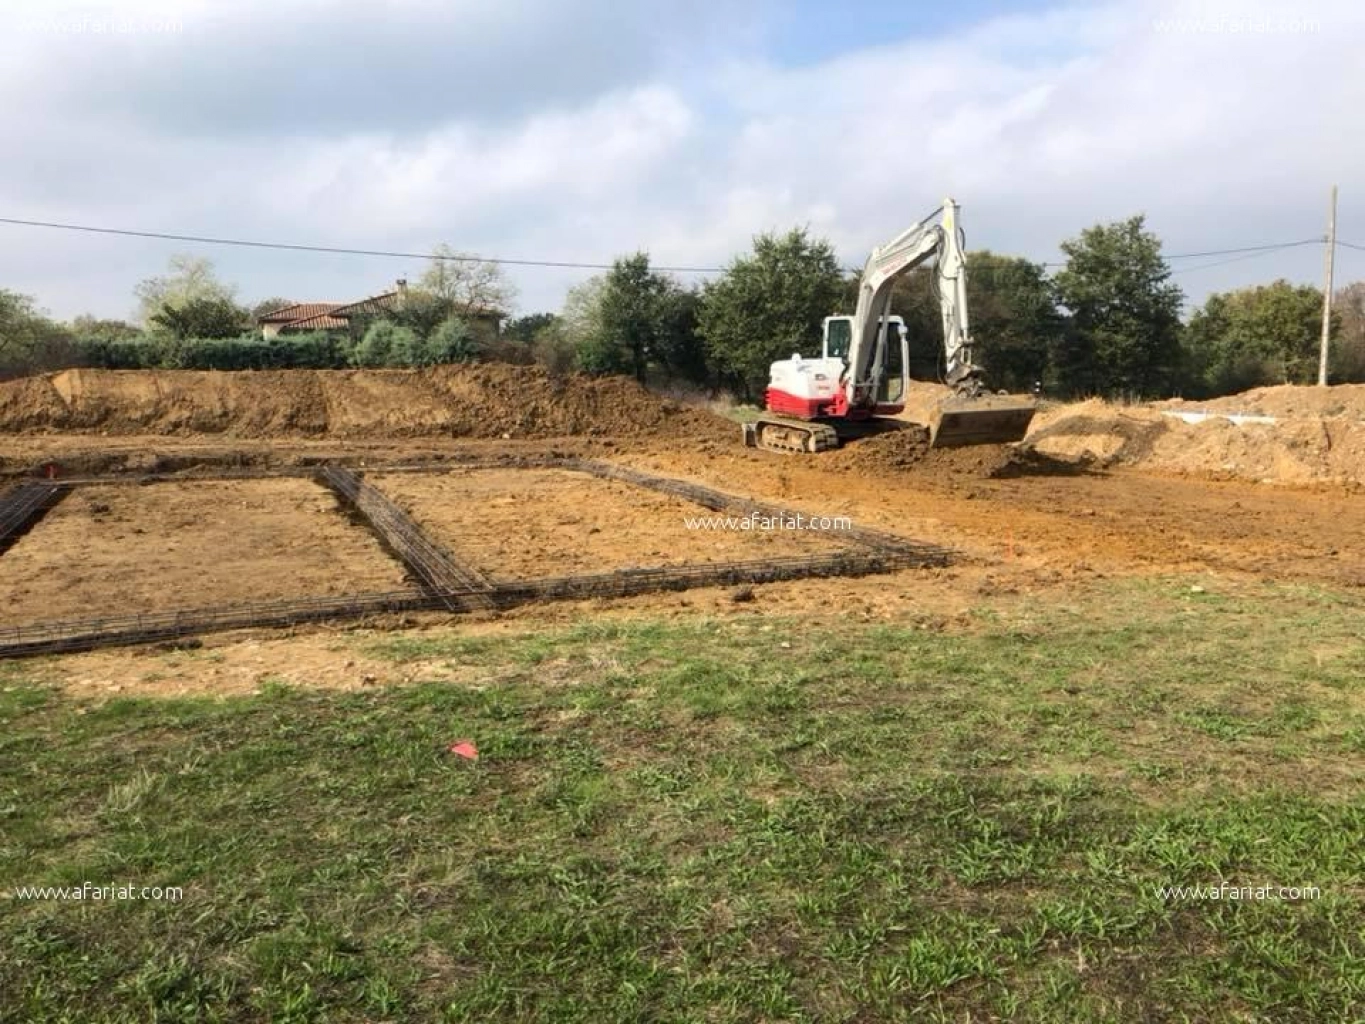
(890, 397)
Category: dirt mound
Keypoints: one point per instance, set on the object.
(1289, 401)
(481, 401)
(922, 398)
(1317, 439)
(907, 451)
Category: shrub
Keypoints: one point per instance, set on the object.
(384, 343)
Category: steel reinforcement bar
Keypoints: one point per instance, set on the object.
(719, 501)
(90, 634)
(436, 569)
(24, 505)
(697, 493)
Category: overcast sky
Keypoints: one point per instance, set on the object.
(583, 129)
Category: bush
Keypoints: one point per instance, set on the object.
(384, 344)
(553, 349)
(598, 354)
(134, 353)
(451, 342)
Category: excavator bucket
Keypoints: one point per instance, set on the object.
(989, 419)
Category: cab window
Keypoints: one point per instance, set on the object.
(838, 339)
(893, 378)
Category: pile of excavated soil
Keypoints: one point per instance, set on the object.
(1319, 436)
(490, 400)
(1290, 401)
(922, 398)
(907, 451)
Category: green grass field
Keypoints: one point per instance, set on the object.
(748, 819)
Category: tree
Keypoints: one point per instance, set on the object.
(1348, 353)
(582, 312)
(18, 323)
(1013, 318)
(678, 347)
(767, 306)
(1124, 334)
(470, 285)
(576, 330)
(553, 349)
(190, 277)
(202, 318)
(600, 355)
(524, 329)
(1251, 337)
(632, 304)
(422, 313)
(91, 328)
(29, 340)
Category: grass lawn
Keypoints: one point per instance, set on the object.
(750, 819)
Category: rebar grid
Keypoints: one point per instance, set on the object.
(446, 582)
(23, 505)
(89, 634)
(436, 569)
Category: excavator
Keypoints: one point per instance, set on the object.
(861, 373)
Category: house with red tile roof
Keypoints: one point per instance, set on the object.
(302, 317)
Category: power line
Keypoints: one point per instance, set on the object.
(1246, 248)
(1349, 245)
(559, 264)
(337, 250)
(1221, 263)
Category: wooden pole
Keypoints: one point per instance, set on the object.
(1327, 290)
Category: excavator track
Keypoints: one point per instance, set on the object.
(783, 435)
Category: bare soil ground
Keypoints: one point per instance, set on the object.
(517, 523)
(124, 549)
(1101, 491)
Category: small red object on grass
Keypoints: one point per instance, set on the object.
(466, 749)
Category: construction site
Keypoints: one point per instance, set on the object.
(482, 693)
(186, 504)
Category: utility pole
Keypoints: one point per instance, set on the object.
(1327, 290)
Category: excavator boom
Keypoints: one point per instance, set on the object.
(970, 416)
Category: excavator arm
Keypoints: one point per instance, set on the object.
(937, 235)
(970, 416)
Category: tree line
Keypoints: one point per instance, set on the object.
(1107, 323)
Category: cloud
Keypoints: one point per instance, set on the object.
(579, 131)
(302, 69)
